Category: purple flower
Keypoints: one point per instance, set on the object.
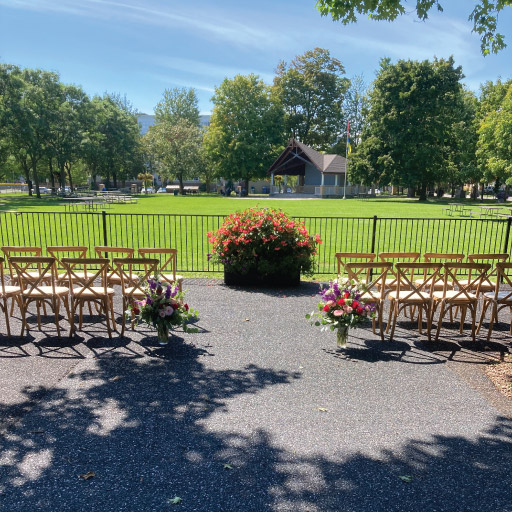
(168, 291)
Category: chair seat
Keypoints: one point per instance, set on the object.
(92, 292)
(115, 279)
(10, 290)
(134, 292)
(454, 297)
(484, 287)
(501, 296)
(46, 291)
(437, 285)
(370, 298)
(81, 275)
(34, 274)
(409, 296)
(169, 277)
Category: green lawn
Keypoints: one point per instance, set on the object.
(344, 225)
(217, 205)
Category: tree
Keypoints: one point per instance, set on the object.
(246, 127)
(413, 108)
(178, 103)
(145, 177)
(175, 147)
(484, 15)
(311, 91)
(495, 142)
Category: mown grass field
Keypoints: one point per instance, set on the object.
(182, 222)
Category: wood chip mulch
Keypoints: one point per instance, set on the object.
(500, 372)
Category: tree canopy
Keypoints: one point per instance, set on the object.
(484, 15)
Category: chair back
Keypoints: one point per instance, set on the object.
(65, 251)
(353, 257)
(398, 257)
(117, 252)
(372, 275)
(469, 289)
(417, 291)
(20, 250)
(30, 283)
(2, 277)
(503, 277)
(492, 259)
(169, 260)
(442, 257)
(83, 272)
(132, 282)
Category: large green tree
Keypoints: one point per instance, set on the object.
(246, 127)
(176, 104)
(175, 148)
(495, 142)
(311, 90)
(484, 15)
(410, 124)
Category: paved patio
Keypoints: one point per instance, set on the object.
(258, 412)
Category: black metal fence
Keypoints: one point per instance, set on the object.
(188, 234)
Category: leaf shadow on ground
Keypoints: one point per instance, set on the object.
(140, 426)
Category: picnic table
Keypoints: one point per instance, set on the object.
(455, 209)
(85, 203)
(487, 211)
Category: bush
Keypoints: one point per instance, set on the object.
(265, 241)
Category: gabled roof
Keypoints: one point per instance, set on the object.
(328, 164)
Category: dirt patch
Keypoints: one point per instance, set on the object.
(500, 373)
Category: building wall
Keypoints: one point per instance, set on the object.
(314, 177)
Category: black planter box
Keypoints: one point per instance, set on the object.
(255, 279)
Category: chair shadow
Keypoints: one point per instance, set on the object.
(55, 347)
(13, 343)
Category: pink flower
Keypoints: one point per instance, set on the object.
(338, 312)
(161, 313)
(347, 309)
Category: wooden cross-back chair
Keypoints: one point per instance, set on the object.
(66, 251)
(132, 283)
(487, 285)
(373, 276)
(343, 258)
(393, 257)
(36, 290)
(463, 295)
(169, 264)
(102, 251)
(413, 294)
(500, 298)
(84, 286)
(7, 292)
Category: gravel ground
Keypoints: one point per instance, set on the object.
(257, 412)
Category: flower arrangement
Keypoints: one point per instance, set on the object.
(163, 308)
(342, 307)
(265, 241)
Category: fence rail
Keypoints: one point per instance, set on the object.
(187, 233)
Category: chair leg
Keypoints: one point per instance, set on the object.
(56, 308)
(6, 313)
(462, 318)
(420, 319)
(440, 321)
(484, 310)
(123, 325)
(38, 303)
(381, 326)
(74, 304)
(106, 306)
(494, 315)
(112, 313)
(395, 316)
(81, 315)
(473, 321)
(391, 306)
(429, 321)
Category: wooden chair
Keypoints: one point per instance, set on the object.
(393, 257)
(102, 251)
(82, 284)
(14, 250)
(64, 251)
(131, 283)
(499, 298)
(169, 264)
(352, 257)
(492, 258)
(7, 292)
(373, 276)
(439, 257)
(409, 293)
(464, 294)
(33, 289)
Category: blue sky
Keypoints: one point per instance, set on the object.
(140, 48)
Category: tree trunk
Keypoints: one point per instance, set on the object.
(114, 177)
(36, 177)
(423, 192)
(481, 191)
(411, 192)
(180, 179)
(62, 177)
(52, 176)
(68, 169)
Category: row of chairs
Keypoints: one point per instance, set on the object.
(76, 281)
(441, 283)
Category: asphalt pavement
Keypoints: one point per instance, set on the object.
(256, 412)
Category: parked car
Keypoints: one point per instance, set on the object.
(161, 190)
(148, 190)
(489, 189)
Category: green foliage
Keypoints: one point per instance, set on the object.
(409, 130)
(176, 104)
(246, 126)
(484, 15)
(311, 91)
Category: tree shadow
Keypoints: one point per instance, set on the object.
(141, 427)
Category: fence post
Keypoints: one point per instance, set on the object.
(104, 217)
(507, 235)
(373, 233)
